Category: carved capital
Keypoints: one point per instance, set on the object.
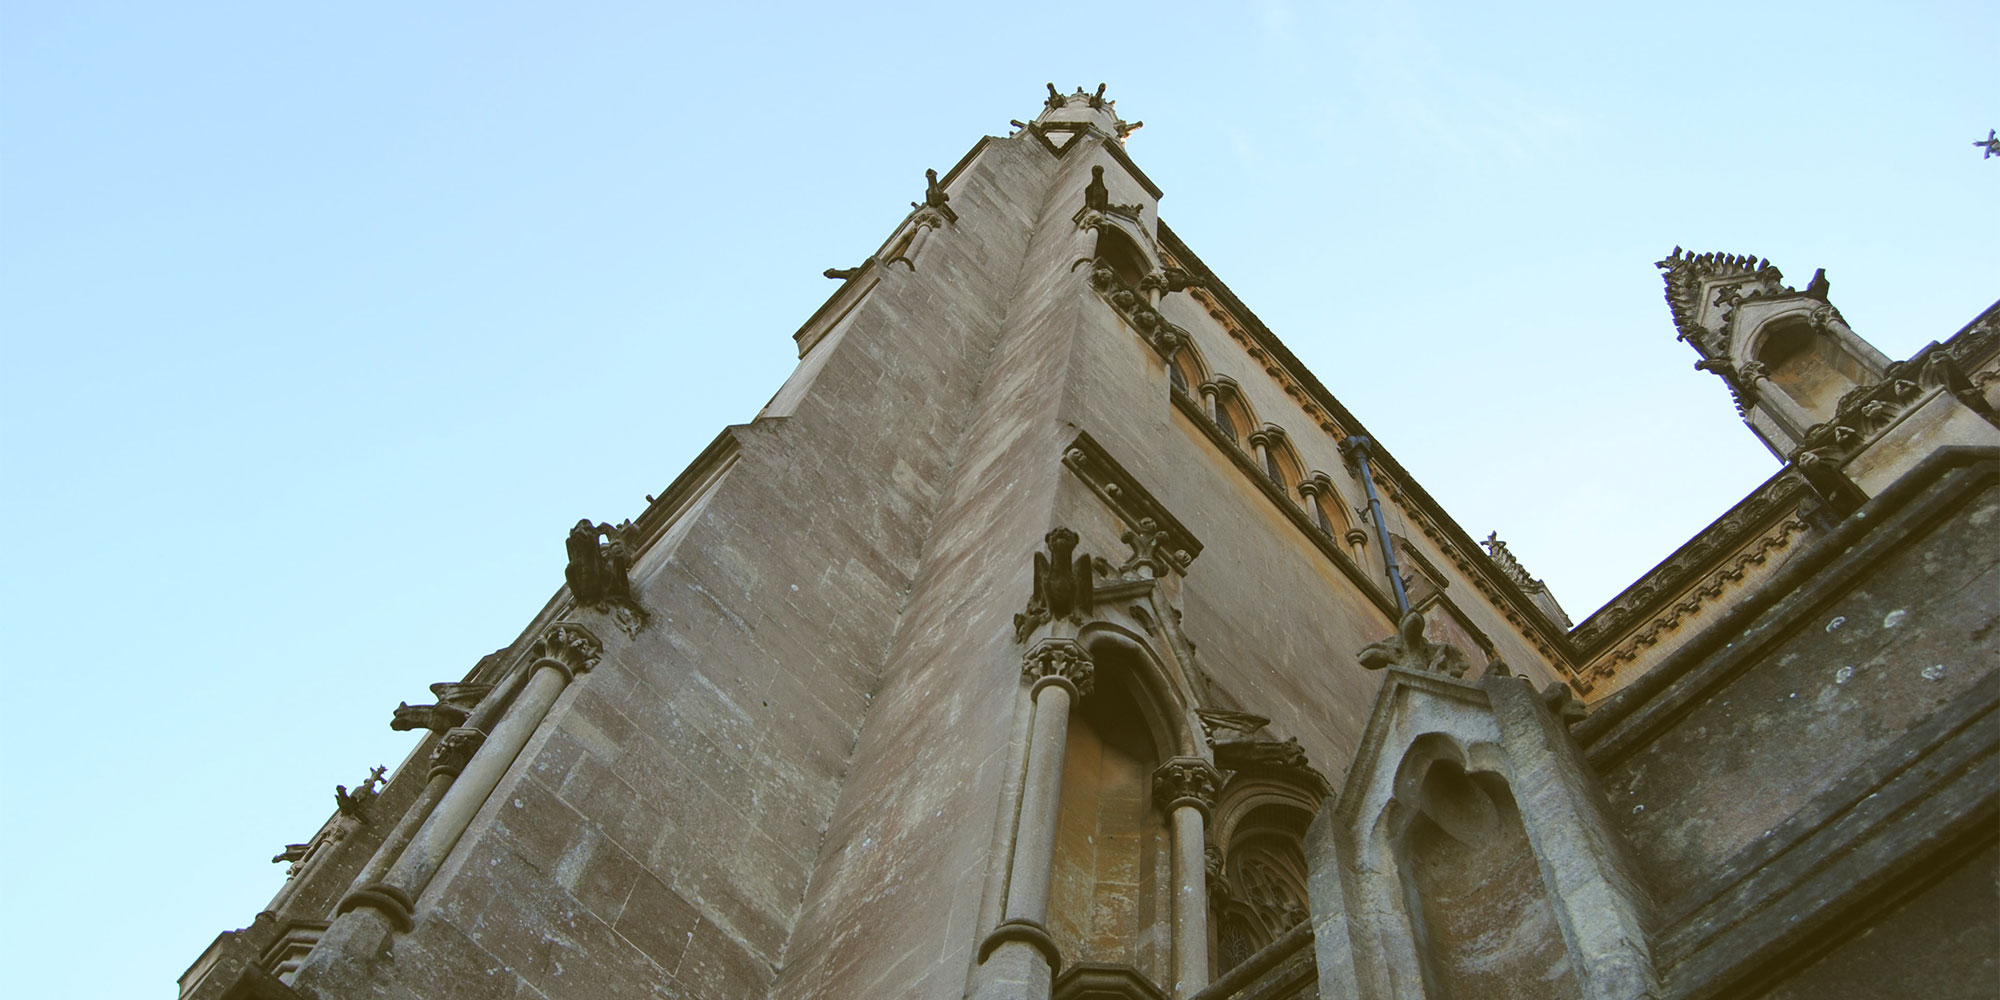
(454, 750)
(1186, 781)
(568, 647)
(1059, 661)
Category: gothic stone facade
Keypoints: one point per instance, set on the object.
(1054, 633)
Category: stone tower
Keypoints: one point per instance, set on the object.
(1053, 633)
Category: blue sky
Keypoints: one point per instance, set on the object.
(320, 326)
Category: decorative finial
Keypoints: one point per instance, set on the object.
(1055, 98)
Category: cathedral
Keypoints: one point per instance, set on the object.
(1053, 633)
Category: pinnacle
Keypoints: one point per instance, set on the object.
(1085, 107)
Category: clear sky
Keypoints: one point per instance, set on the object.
(322, 323)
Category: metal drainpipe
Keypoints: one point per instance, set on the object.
(1357, 448)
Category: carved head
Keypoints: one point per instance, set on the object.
(1061, 542)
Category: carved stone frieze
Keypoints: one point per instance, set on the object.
(1059, 661)
(1410, 649)
(1134, 307)
(1733, 530)
(1186, 781)
(568, 647)
(1063, 586)
(1681, 605)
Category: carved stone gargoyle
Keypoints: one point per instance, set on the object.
(352, 804)
(597, 572)
(1063, 585)
(1411, 650)
(1097, 197)
(935, 197)
(596, 568)
(455, 702)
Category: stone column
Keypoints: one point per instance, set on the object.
(1185, 789)
(1020, 957)
(453, 751)
(1357, 540)
(1261, 441)
(1208, 399)
(1310, 490)
(342, 962)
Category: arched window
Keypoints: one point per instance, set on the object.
(1111, 882)
(1257, 883)
(1231, 414)
(1117, 251)
(1185, 370)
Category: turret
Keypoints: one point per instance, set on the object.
(1786, 355)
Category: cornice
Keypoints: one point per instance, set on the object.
(1768, 505)
(1299, 382)
(1328, 546)
(1131, 501)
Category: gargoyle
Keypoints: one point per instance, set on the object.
(1096, 196)
(1411, 650)
(351, 804)
(437, 718)
(596, 570)
(935, 198)
(1238, 755)
(1225, 725)
(1063, 585)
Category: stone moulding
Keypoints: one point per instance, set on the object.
(1026, 931)
(1689, 603)
(1332, 417)
(1130, 501)
(1329, 547)
(1767, 506)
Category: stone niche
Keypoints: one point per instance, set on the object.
(1470, 854)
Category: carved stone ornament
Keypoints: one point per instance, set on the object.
(454, 750)
(1186, 781)
(1222, 725)
(1097, 197)
(1146, 540)
(568, 647)
(1059, 661)
(1219, 889)
(1411, 650)
(935, 199)
(455, 703)
(1164, 337)
(599, 561)
(354, 805)
(1063, 586)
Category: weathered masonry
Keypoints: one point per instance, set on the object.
(1052, 633)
